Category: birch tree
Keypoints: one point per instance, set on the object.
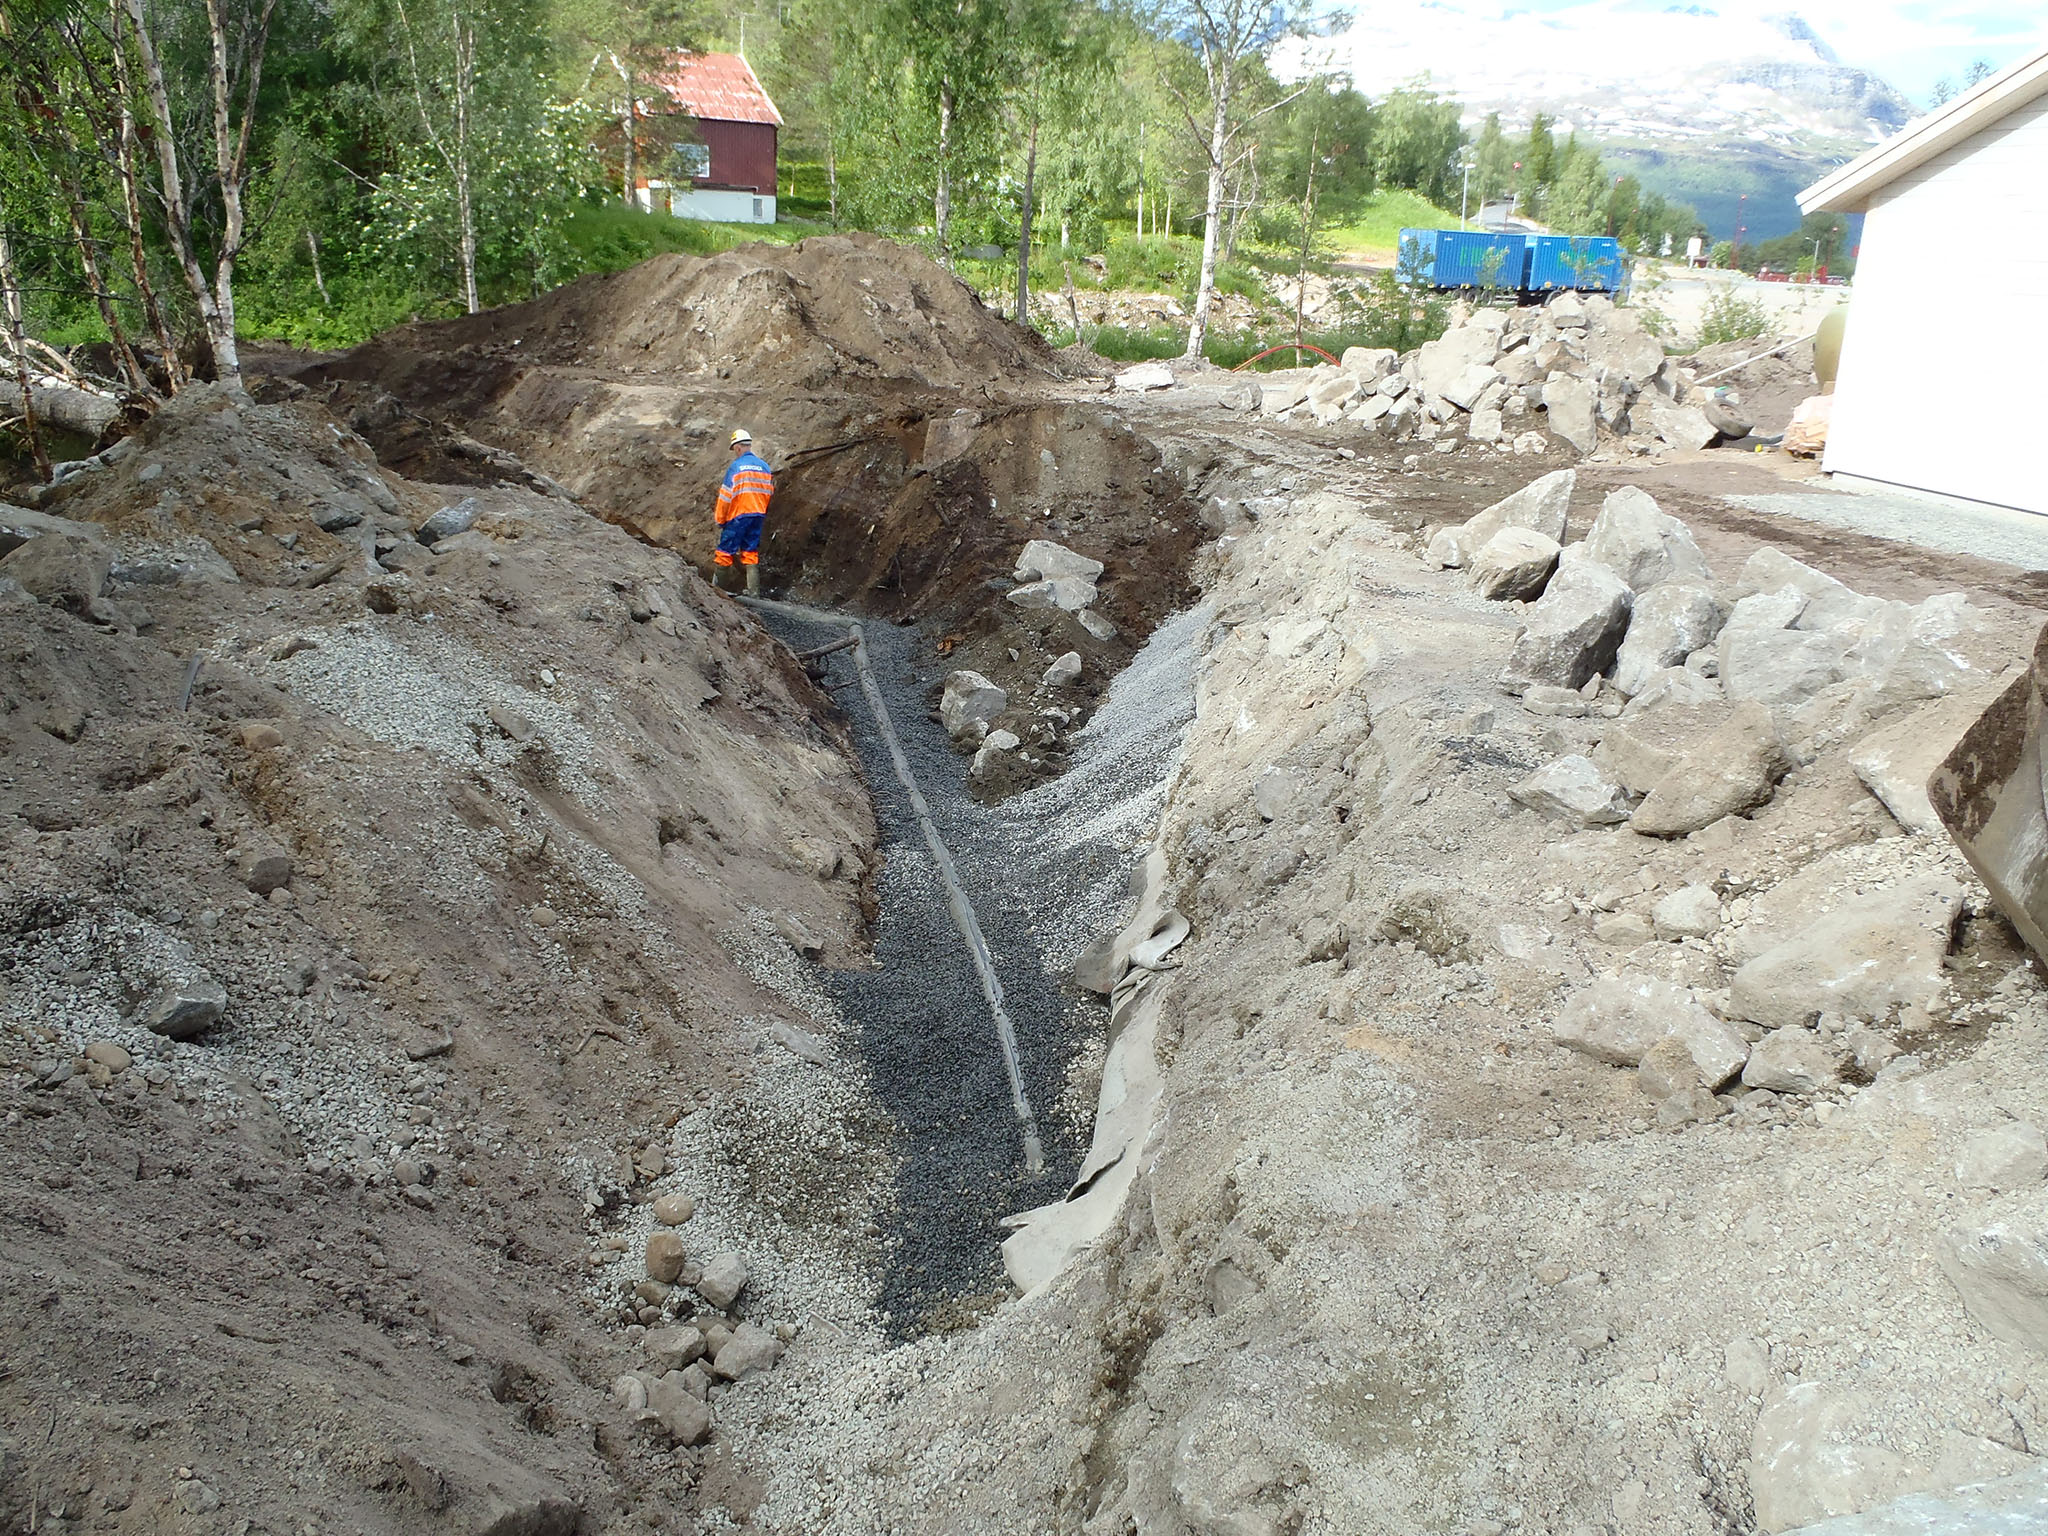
(1226, 36)
(236, 35)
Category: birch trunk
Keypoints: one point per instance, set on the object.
(1024, 228)
(465, 211)
(131, 209)
(10, 293)
(1205, 289)
(942, 196)
(177, 211)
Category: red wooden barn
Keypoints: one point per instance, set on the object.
(732, 173)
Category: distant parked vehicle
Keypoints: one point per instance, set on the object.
(1526, 265)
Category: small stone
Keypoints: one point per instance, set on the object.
(686, 1417)
(264, 869)
(109, 1055)
(258, 737)
(1793, 1061)
(185, 1010)
(1623, 929)
(1063, 672)
(1574, 791)
(459, 517)
(406, 1172)
(1691, 912)
(665, 1257)
(724, 1277)
(674, 1210)
(671, 1349)
(968, 703)
(750, 1349)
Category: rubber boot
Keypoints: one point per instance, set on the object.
(717, 578)
(753, 581)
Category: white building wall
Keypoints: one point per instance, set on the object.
(1940, 385)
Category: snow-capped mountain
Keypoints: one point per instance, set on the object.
(1705, 102)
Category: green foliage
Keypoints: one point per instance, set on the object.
(1730, 317)
(1723, 254)
(1415, 142)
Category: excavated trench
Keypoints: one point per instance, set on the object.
(1043, 872)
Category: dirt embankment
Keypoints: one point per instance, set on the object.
(448, 889)
(916, 445)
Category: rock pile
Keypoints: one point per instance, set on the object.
(1717, 690)
(1579, 370)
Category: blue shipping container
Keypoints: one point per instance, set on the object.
(1588, 263)
(1462, 258)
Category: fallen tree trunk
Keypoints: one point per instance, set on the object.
(75, 410)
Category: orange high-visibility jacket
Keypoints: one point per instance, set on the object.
(746, 489)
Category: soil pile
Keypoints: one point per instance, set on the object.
(344, 1012)
(826, 313)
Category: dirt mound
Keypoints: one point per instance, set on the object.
(456, 843)
(1764, 389)
(822, 313)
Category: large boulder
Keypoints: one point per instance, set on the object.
(1333, 390)
(1573, 630)
(1069, 594)
(1570, 404)
(1873, 954)
(1642, 544)
(967, 703)
(1618, 347)
(62, 569)
(1896, 761)
(1666, 624)
(1464, 390)
(1641, 749)
(1043, 560)
(1794, 1061)
(1823, 1452)
(1761, 657)
(1618, 1019)
(1439, 363)
(1683, 427)
(1735, 768)
(2000, 1269)
(1514, 565)
(1370, 363)
(1541, 505)
(1145, 376)
(1574, 791)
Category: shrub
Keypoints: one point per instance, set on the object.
(1730, 317)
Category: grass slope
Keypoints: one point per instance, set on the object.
(1373, 233)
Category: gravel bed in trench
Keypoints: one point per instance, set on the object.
(1044, 872)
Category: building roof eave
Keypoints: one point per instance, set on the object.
(1850, 188)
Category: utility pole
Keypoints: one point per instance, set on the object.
(1464, 190)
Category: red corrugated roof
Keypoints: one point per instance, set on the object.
(719, 86)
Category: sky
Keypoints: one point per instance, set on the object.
(1909, 43)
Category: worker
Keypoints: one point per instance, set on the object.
(742, 509)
